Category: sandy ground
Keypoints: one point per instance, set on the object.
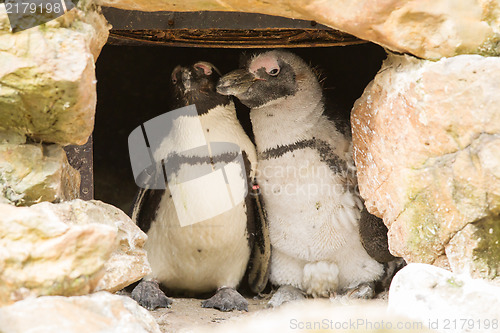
(187, 314)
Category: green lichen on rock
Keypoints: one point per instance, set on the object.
(491, 12)
(490, 48)
(487, 252)
(31, 173)
(43, 104)
(47, 76)
(422, 228)
(454, 282)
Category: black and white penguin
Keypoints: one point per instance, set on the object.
(308, 180)
(211, 255)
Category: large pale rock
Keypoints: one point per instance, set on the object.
(42, 255)
(445, 301)
(427, 147)
(47, 76)
(72, 248)
(427, 28)
(31, 173)
(128, 262)
(97, 313)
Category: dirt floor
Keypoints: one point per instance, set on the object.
(187, 314)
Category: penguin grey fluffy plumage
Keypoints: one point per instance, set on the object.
(307, 177)
(212, 254)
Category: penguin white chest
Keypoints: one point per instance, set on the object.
(310, 210)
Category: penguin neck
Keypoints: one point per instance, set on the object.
(221, 124)
(287, 120)
(221, 111)
(188, 132)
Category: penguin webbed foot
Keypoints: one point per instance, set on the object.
(285, 294)
(226, 299)
(149, 295)
(364, 290)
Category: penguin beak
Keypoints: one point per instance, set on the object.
(235, 83)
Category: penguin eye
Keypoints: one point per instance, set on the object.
(273, 71)
(174, 80)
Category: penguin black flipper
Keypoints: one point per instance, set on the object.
(257, 272)
(148, 292)
(373, 234)
(259, 264)
(144, 207)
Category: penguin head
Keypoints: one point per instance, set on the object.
(267, 78)
(196, 84)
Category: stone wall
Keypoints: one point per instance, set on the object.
(52, 243)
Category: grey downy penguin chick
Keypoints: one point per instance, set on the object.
(307, 177)
(211, 255)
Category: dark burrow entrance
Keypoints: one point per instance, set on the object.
(133, 87)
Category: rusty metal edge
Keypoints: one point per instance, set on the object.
(116, 38)
(81, 158)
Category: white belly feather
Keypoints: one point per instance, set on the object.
(311, 212)
(313, 225)
(199, 257)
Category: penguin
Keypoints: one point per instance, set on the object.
(308, 181)
(211, 254)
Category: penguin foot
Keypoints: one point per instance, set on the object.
(321, 278)
(363, 291)
(285, 294)
(226, 299)
(149, 295)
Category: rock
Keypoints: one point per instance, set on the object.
(97, 313)
(426, 141)
(31, 173)
(71, 248)
(445, 301)
(428, 29)
(321, 316)
(475, 249)
(47, 76)
(11, 137)
(128, 262)
(42, 255)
